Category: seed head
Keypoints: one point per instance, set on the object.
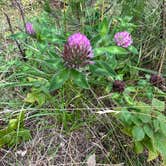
(156, 80)
(118, 86)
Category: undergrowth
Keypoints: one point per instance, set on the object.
(104, 95)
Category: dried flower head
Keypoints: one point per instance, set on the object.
(118, 86)
(156, 80)
(29, 29)
(77, 51)
(123, 39)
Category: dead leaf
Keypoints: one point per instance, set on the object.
(22, 153)
(92, 160)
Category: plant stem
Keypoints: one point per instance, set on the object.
(12, 32)
(102, 10)
(21, 12)
(64, 14)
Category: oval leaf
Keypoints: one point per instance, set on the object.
(158, 105)
(133, 50)
(148, 130)
(116, 50)
(79, 79)
(59, 79)
(138, 133)
(138, 147)
(111, 50)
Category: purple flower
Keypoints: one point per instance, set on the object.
(77, 51)
(118, 86)
(156, 80)
(123, 39)
(29, 29)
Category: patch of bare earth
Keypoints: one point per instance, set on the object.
(52, 147)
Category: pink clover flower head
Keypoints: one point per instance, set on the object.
(123, 39)
(78, 51)
(29, 28)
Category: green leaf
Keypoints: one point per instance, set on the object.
(115, 96)
(133, 50)
(162, 121)
(138, 147)
(136, 120)
(24, 133)
(112, 61)
(30, 98)
(156, 124)
(143, 107)
(41, 99)
(138, 133)
(52, 64)
(19, 35)
(106, 68)
(29, 53)
(59, 79)
(145, 117)
(79, 79)
(130, 89)
(111, 50)
(3, 132)
(128, 99)
(125, 116)
(21, 116)
(159, 144)
(13, 124)
(158, 105)
(116, 50)
(104, 27)
(152, 152)
(148, 130)
(102, 68)
(159, 92)
(36, 96)
(163, 127)
(152, 155)
(145, 111)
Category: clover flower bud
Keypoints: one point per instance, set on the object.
(118, 86)
(29, 29)
(156, 80)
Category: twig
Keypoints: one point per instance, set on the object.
(162, 60)
(107, 10)
(17, 43)
(21, 12)
(163, 33)
(163, 19)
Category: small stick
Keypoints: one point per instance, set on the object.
(162, 60)
(21, 12)
(163, 33)
(163, 19)
(107, 10)
(11, 30)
